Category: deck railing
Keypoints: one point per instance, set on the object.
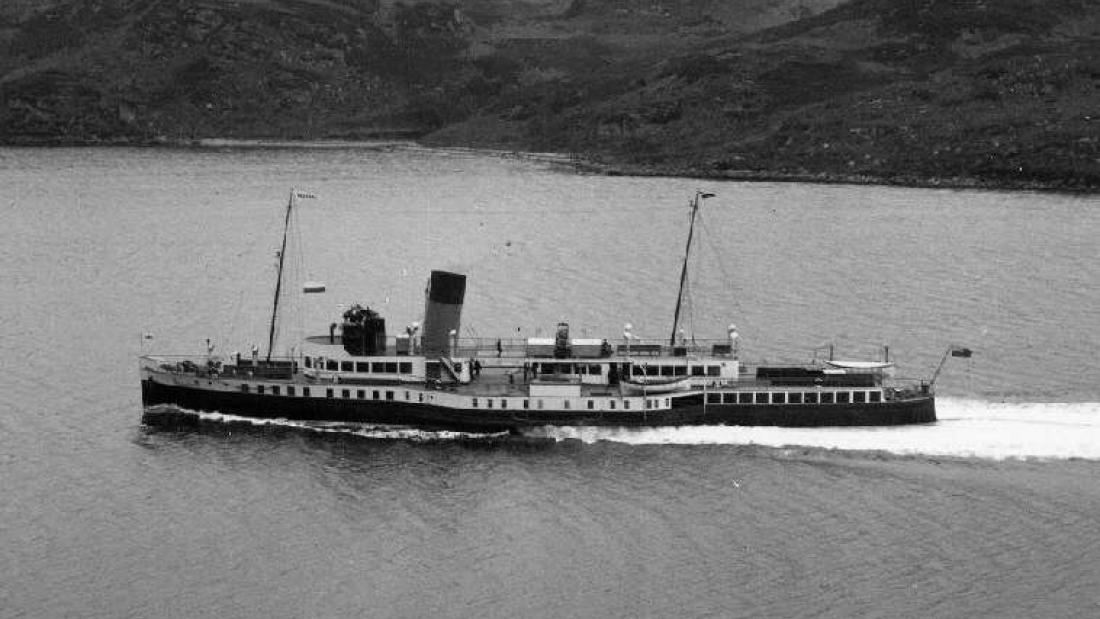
(521, 347)
(221, 365)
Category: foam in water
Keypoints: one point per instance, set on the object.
(968, 428)
(374, 431)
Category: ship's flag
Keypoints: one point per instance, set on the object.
(313, 287)
(959, 351)
(302, 195)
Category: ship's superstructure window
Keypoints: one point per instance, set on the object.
(811, 398)
(714, 398)
(489, 403)
(503, 403)
(591, 405)
(309, 362)
(473, 402)
(329, 393)
(679, 370)
(406, 395)
(761, 398)
(305, 391)
(714, 370)
(275, 390)
(698, 370)
(360, 394)
(374, 395)
(744, 398)
(290, 390)
(876, 396)
(244, 388)
(527, 404)
(611, 404)
(779, 398)
(345, 393)
(859, 397)
(378, 367)
(827, 397)
(391, 367)
(666, 370)
(795, 397)
(362, 367)
(389, 395)
(347, 366)
(405, 367)
(260, 389)
(842, 397)
(565, 405)
(626, 404)
(332, 365)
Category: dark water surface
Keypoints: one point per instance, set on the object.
(990, 512)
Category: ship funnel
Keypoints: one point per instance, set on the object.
(442, 312)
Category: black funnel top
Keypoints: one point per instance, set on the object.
(445, 287)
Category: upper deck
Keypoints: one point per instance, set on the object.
(331, 347)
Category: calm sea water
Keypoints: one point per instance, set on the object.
(990, 512)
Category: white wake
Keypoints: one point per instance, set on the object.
(966, 428)
(969, 428)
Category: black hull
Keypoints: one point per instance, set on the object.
(686, 411)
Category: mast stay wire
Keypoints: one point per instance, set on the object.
(236, 318)
(727, 279)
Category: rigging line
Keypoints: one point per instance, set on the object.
(237, 317)
(279, 279)
(708, 239)
(532, 211)
(689, 294)
(297, 306)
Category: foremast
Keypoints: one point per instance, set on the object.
(294, 193)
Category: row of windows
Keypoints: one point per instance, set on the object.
(676, 370)
(795, 397)
(360, 394)
(592, 369)
(363, 367)
(595, 369)
(566, 404)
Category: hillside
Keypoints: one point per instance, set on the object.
(958, 92)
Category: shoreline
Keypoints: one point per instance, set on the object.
(405, 139)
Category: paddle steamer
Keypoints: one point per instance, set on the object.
(428, 377)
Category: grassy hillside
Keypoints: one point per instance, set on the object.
(913, 91)
(982, 92)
